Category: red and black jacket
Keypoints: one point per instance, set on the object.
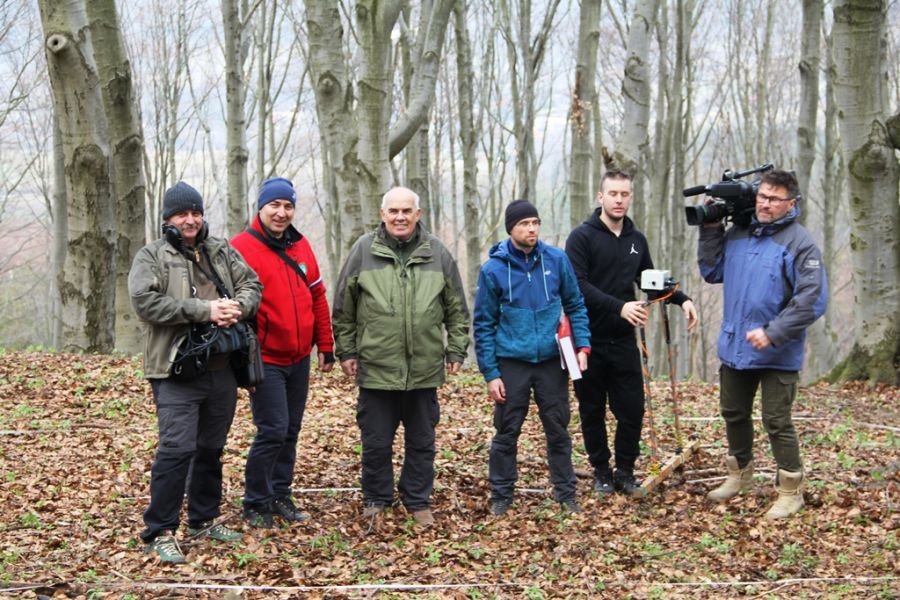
(294, 313)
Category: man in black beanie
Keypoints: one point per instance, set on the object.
(184, 279)
(523, 290)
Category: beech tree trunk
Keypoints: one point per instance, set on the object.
(631, 144)
(469, 134)
(87, 281)
(237, 212)
(809, 99)
(581, 120)
(126, 147)
(355, 118)
(870, 147)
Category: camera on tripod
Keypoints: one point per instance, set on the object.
(736, 198)
(656, 283)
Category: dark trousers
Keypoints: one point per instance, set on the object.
(378, 414)
(278, 404)
(779, 388)
(193, 418)
(613, 375)
(551, 394)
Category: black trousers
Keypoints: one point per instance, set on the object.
(613, 376)
(193, 418)
(551, 394)
(378, 414)
(278, 404)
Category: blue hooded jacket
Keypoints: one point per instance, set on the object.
(518, 304)
(774, 278)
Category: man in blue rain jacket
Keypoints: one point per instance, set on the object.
(523, 289)
(775, 288)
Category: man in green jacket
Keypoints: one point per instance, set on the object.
(175, 283)
(398, 291)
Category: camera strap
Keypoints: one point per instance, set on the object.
(211, 275)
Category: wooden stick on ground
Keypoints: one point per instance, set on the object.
(669, 467)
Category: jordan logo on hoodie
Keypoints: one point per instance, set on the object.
(633, 249)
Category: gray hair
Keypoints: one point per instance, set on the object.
(414, 195)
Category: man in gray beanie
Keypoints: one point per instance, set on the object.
(175, 285)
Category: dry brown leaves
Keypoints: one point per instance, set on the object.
(77, 436)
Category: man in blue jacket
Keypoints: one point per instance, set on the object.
(775, 288)
(523, 289)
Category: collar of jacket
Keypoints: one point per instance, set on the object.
(758, 229)
(422, 250)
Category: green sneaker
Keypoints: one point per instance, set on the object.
(165, 546)
(215, 531)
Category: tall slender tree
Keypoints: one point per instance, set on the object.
(581, 120)
(633, 139)
(810, 54)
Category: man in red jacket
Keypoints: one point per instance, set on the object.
(293, 316)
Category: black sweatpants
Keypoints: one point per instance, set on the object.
(378, 414)
(551, 394)
(613, 375)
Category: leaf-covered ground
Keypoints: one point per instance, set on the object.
(77, 436)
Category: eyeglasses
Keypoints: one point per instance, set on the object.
(763, 198)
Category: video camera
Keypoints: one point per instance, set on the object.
(737, 199)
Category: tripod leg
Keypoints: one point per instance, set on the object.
(654, 448)
(672, 386)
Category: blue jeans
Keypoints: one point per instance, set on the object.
(193, 418)
(278, 404)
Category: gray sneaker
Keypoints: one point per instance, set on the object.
(166, 547)
(500, 507)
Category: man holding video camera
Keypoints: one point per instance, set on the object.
(775, 288)
(608, 254)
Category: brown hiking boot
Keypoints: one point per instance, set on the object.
(423, 518)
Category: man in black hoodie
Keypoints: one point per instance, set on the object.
(608, 255)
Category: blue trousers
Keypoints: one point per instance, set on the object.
(278, 404)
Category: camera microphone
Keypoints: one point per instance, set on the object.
(694, 191)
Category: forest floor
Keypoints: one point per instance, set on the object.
(77, 436)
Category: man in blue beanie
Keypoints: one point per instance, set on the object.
(293, 315)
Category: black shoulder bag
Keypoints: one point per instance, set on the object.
(204, 339)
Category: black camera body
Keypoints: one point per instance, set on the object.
(736, 199)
